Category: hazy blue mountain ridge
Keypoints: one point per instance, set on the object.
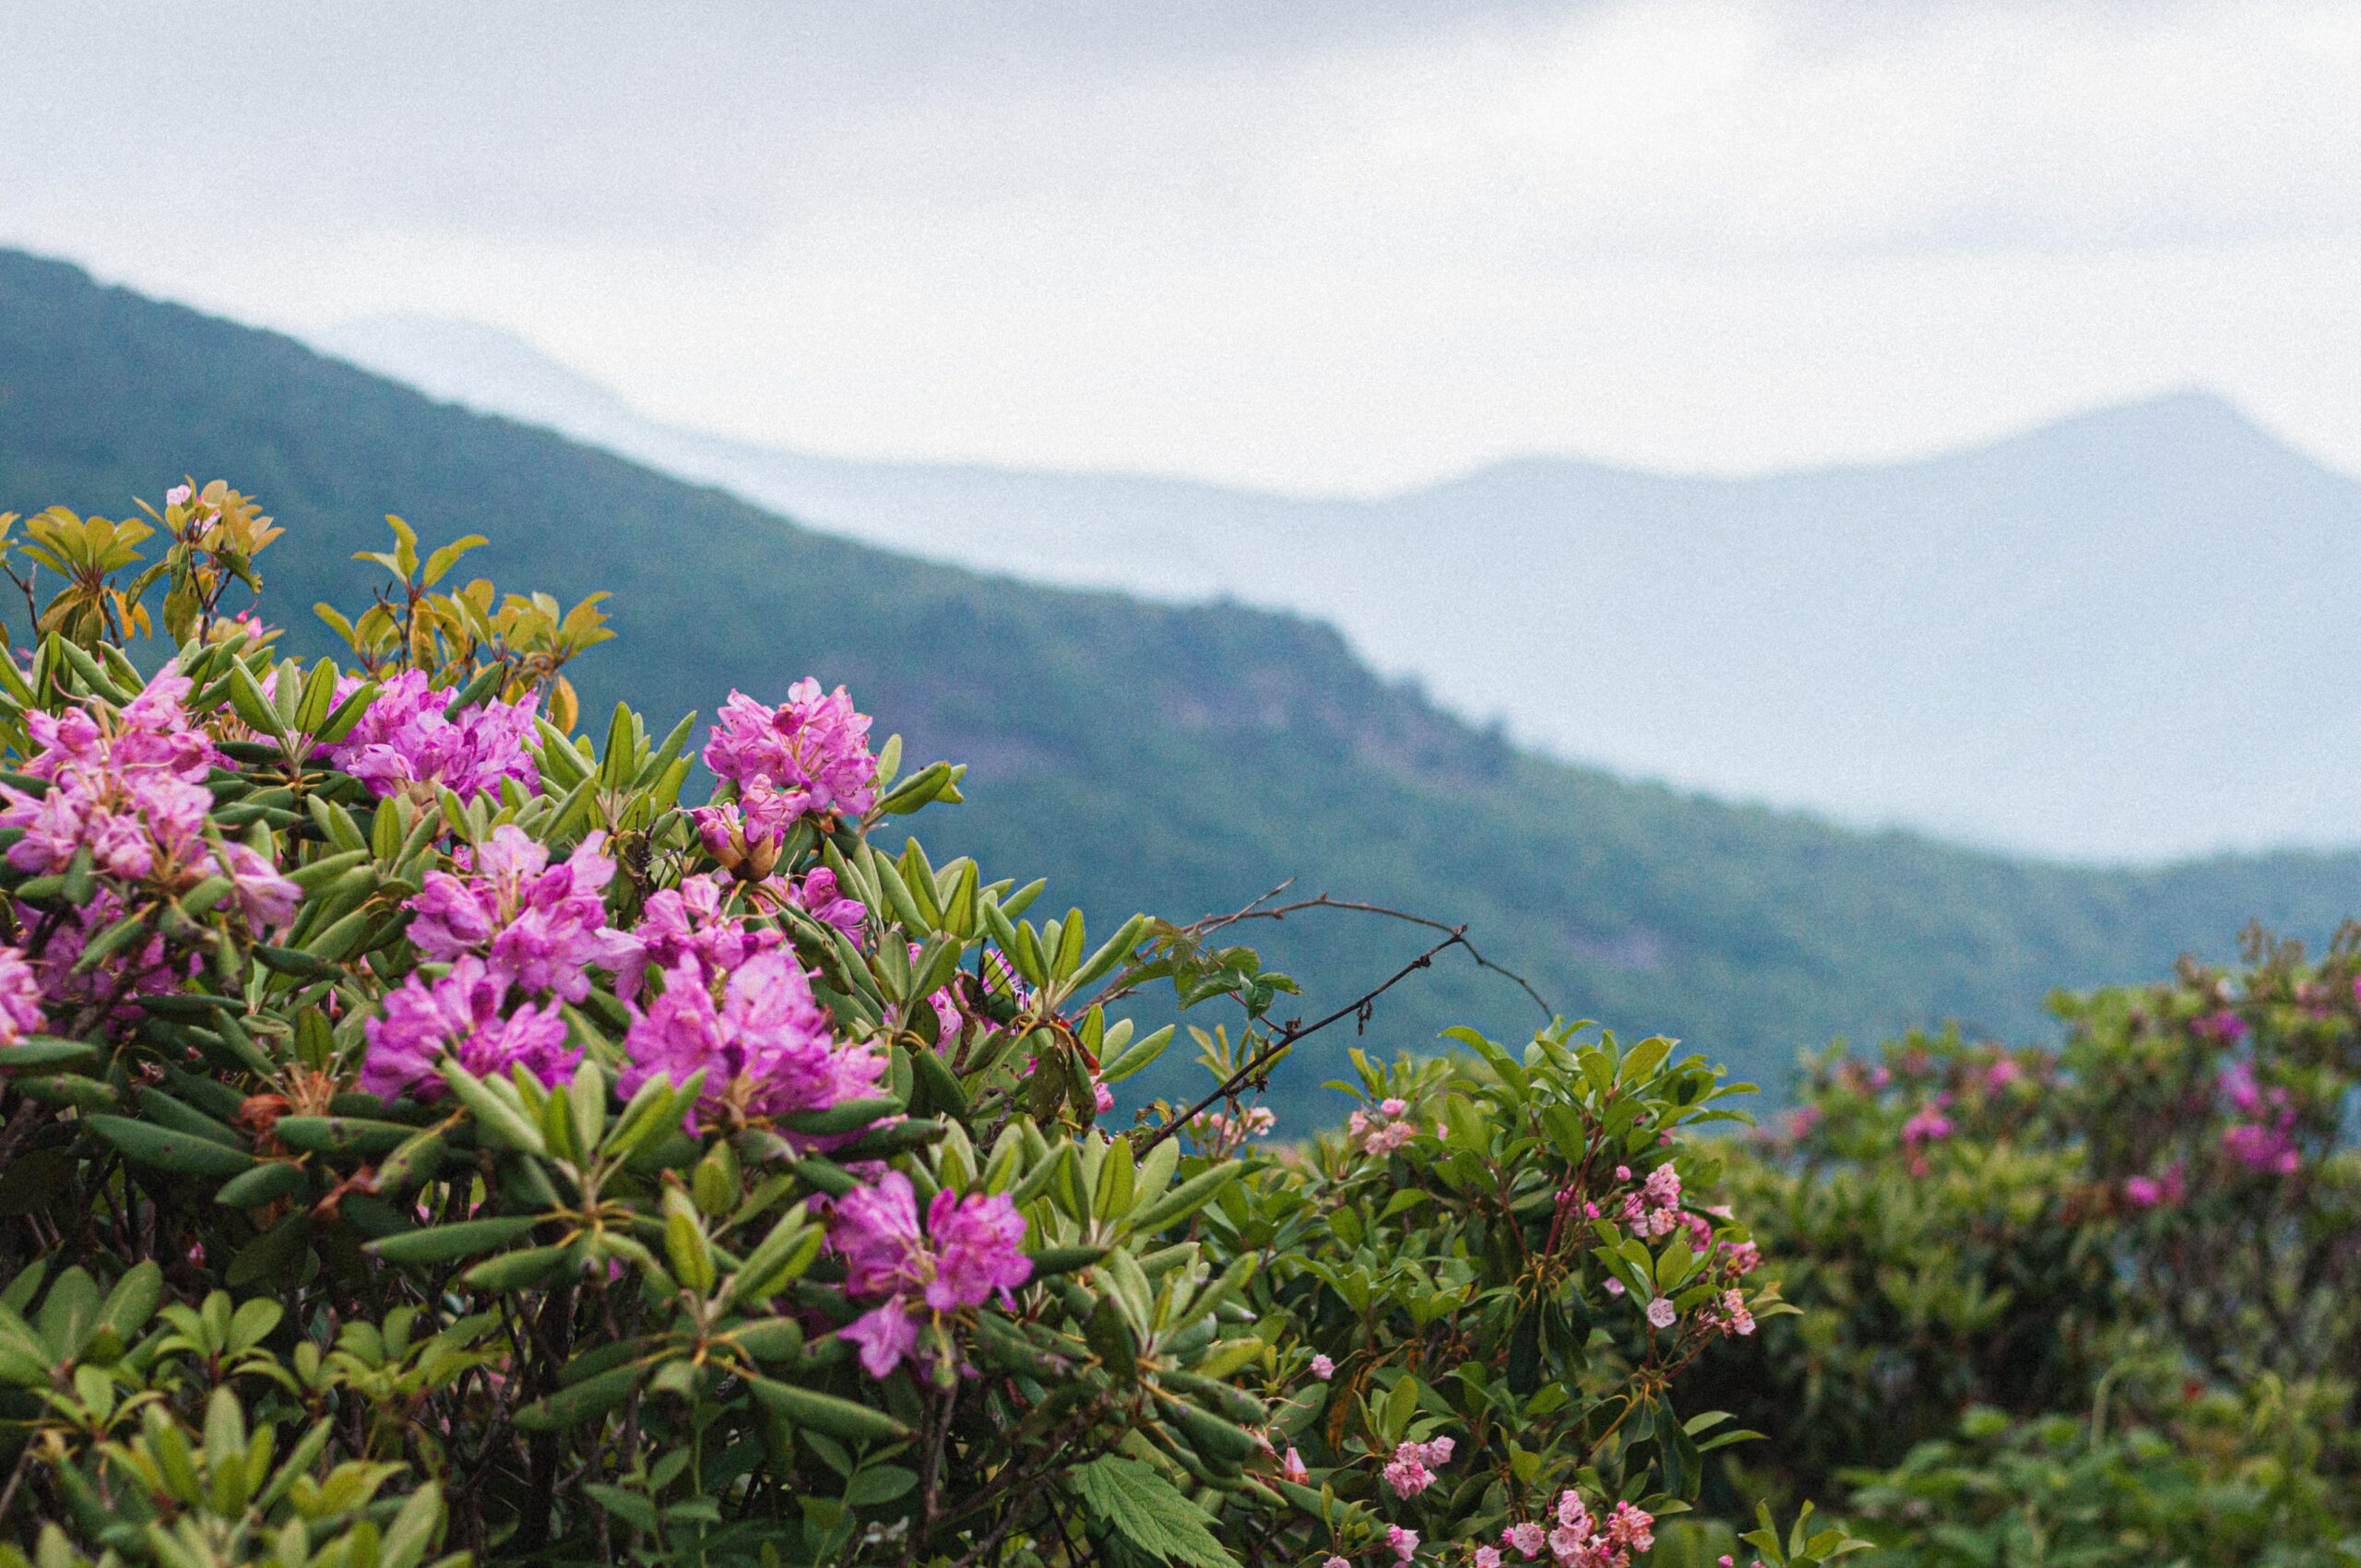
(2115, 637)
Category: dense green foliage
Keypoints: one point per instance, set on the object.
(1132, 752)
(421, 1134)
(2094, 1304)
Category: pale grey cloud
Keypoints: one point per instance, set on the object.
(1324, 245)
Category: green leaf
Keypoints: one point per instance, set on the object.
(1185, 1199)
(441, 1244)
(182, 1154)
(44, 1054)
(1134, 1500)
(342, 1134)
(826, 1412)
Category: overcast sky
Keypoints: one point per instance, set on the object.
(1343, 245)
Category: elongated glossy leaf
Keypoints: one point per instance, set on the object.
(826, 1412)
(441, 1244)
(181, 1154)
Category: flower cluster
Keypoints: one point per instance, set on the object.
(1928, 1123)
(1581, 1540)
(1654, 1208)
(2149, 1191)
(2265, 1140)
(1220, 1135)
(810, 755)
(408, 742)
(1383, 1131)
(819, 895)
(460, 1015)
(693, 924)
(766, 1047)
(20, 1013)
(539, 927)
(972, 1250)
(1412, 1468)
(126, 788)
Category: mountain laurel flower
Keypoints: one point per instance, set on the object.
(1406, 1473)
(539, 926)
(766, 1047)
(20, 1009)
(1655, 1209)
(1525, 1539)
(813, 750)
(1384, 1131)
(1661, 1312)
(459, 1016)
(1323, 1368)
(406, 743)
(1485, 1557)
(971, 1251)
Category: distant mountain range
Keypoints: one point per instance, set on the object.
(1183, 758)
(2124, 636)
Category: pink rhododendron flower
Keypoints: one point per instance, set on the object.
(767, 1048)
(266, 898)
(1323, 1368)
(405, 744)
(459, 1016)
(151, 967)
(819, 897)
(2265, 1146)
(21, 1010)
(813, 750)
(1926, 1126)
(971, 1251)
(1292, 1468)
(692, 922)
(128, 787)
(2222, 1024)
(1403, 1542)
(747, 833)
(539, 926)
(2002, 1074)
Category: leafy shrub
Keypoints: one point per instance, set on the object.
(425, 1136)
(2115, 1278)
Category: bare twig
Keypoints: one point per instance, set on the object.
(1252, 912)
(1263, 1060)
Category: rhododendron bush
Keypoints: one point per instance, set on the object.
(426, 1137)
(2095, 1301)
